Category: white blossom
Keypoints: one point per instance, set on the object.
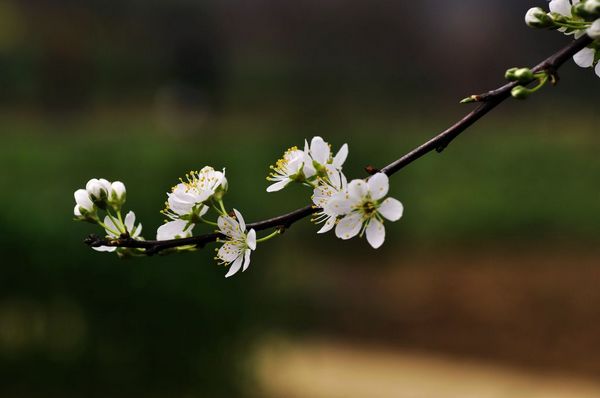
(289, 168)
(174, 230)
(318, 155)
(114, 228)
(239, 244)
(186, 199)
(366, 210)
(328, 196)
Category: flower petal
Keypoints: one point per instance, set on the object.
(251, 239)
(357, 189)
(597, 69)
(349, 226)
(82, 198)
(562, 7)
(328, 226)
(229, 226)
(235, 267)
(130, 221)
(246, 259)
(108, 221)
(240, 220)
(229, 252)
(340, 157)
(375, 233)
(391, 209)
(278, 186)
(378, 186)
(107, 249)
(174, 229)
(585, 57)
(319, 150)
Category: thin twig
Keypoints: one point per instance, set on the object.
(488, 101)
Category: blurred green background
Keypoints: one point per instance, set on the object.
(495, 258)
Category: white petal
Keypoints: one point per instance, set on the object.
(319, 150)
(76, 211)
(107, 249)
(357, 189)
(561, 6)
(110, 224)
(246, 260)
(340, 157)
(338, 205)
(251, 239)
(240, 220)
(174, 229)
(82, 198)
(348, 226)
(391, 209)
(594, 30)
(375, 233)
(278, 186)
(137, 231)
(378, 186)
(229, 252)
(328, 226)
(585, 57)
(235, 267)
(597, 69)
(228, 226)
(130, 221)
(105, 184)
(203, 210)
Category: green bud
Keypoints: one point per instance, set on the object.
(510, 74)
(519, 92)
(523, 75)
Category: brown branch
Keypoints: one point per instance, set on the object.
(488, 101)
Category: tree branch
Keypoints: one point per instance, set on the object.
(488, 101)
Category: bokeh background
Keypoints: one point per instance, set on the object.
(488, 287)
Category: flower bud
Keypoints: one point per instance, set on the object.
(537, 18)
(510, 74)
(523, 75)
(117, 194)
(98, 190)
(592, 8)
(519, 92)
(84, 207)
(594, 30)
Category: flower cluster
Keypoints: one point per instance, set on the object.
(358, 207)
(354, 208)
(572, 17)
(102, 195)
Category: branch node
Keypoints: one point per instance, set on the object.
(93, 240)
(372, 170)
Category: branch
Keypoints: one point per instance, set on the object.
(488, 101)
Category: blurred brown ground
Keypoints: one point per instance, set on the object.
(433, 322)
(314, 369)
